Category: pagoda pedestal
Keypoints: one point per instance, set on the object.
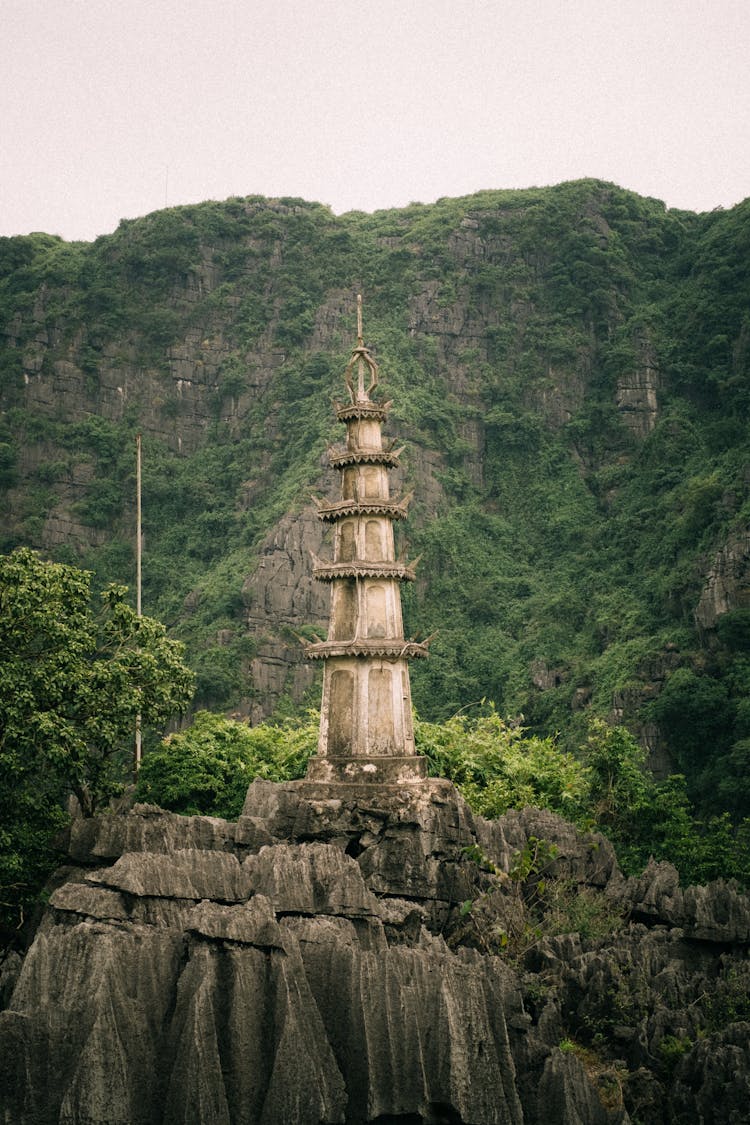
(366, 729)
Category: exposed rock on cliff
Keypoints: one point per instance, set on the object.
(336, 957)
(281, 593)
(727, 581)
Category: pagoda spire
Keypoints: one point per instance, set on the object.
(366, 729)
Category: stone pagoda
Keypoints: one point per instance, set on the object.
(366, 729)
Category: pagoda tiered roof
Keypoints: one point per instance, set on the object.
(396, 510)
(381, 649)
(339, 458)
(366, 726)
(349, 411)
(363, 568)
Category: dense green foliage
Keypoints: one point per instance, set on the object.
(569, 533)
(497, 766)
(208, 767)
(72, 682)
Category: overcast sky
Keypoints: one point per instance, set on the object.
(110, 109)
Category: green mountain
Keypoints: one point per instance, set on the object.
(569, 369)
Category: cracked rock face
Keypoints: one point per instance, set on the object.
(726, 581)
(318, 962)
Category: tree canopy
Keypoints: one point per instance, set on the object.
(208, 767)
(72, 681)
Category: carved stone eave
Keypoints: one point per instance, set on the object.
(358, 568)
(339, 458)
(383, 649)
(348, 411)
(331, 512)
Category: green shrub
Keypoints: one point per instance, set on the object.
(497, 767)
(207, 768)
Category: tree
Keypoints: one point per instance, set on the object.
(643, 817)
(498, 766)
(696, 712)
(208, 767)
(71, 685)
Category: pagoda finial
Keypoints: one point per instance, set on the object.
(361, 356)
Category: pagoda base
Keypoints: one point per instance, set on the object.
(385, 770)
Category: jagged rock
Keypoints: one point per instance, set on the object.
(713, 1079)
(251, 923)
(310, 879)
(10, 967)
(281, 594)
(146, 829)
(726, 581)
(407, 841)
(316, 963)
(656, 892)
(564, 1085)
(717, 912)
(89, 902)
(186, 873)
(588, 858)
(636, 399)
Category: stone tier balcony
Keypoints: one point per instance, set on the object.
(395, 510)
(349, 411)
(363, 568)
(380, 649)
(339, 458)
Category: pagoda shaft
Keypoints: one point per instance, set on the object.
(366, 728)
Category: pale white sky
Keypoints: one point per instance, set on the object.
(110, 108)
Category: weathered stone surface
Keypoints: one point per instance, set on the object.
(10, 967)
(713, 1080)
(247, 1043)
(318, 965)
(718, 912)
(407, 840)
(386, 770)
(86, 1023)
(726, 585)
(187, 873)
(588, 859)
(564, 1084)
(146, 829)
(250, 923)
(89, 902)
(636, 398)
(281, 593)
(310, 879)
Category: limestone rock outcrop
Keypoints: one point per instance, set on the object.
(337, 956)
(726, 581)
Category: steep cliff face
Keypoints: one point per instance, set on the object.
(282, 594)
(338, 956)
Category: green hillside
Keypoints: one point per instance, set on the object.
(569, 371)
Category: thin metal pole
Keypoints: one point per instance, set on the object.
(138, 576)
(139, 540)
